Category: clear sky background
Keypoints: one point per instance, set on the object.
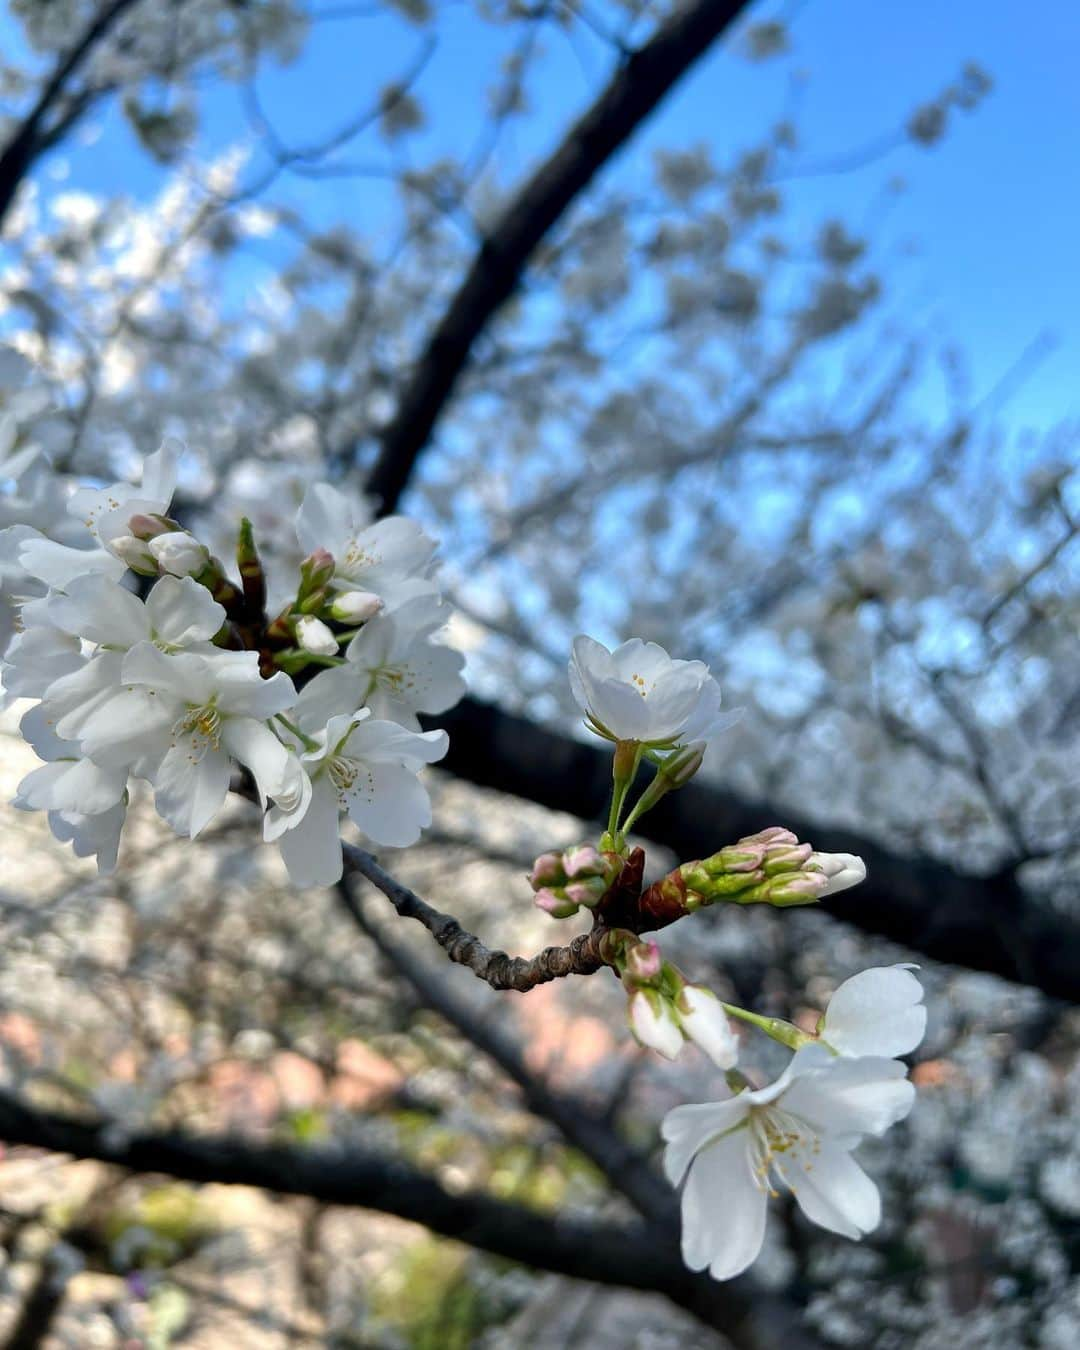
(984, 234)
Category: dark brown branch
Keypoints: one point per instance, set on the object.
(501, 971)
(32, 137)
(627, 1170)
(635, 1257)
(979, 922)
(637, 87)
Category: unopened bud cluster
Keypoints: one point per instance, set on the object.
(664, 1010)
(565, 882)
(771, 867)
(156, 545)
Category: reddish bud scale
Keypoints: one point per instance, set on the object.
(665, 900)
(222, 589)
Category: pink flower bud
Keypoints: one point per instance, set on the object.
(547, 870)
(644, 961)
(774, 834)
(315, 571)
(740, 857)
(584, 861)
(785, 858)
(551, 902)
(796, 888)
(588, 892)
(147, 527)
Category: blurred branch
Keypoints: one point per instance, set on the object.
(640, 83)
(636, 1257)
(1023, 582)
(32, 136)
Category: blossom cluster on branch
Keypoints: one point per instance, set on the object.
(145, 657)
(147, 660)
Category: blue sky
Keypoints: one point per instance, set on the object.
(983, 234)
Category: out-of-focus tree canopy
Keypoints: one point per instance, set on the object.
(632, 392)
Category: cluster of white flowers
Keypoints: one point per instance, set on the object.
(842, 1083)
(146, 661)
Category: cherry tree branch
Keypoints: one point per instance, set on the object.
(31, 138)
(498, 969)
(629, 1256)
(628, 1171)
(981, 922)
(638, 86)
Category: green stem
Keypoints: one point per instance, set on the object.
(624, 769)
(784, 1032)
(305, 741)
(648, 799)
(294, 659)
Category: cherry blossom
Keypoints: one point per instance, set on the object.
(639, 693)
(366, 767)
(798, 1132)
(388, 559)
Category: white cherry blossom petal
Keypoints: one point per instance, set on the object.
(312, 851)
(876, 1012)
(182, 612)
(852, 1096)
(99, 610)
(258, 749)
(72, 785)
(835, 1193)
(189, 791)
(724, 1235)
(389, 803)
(687, 1129)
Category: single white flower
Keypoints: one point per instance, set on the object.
(182, 719)
(704, 1022)
(394, 667)
(365, 767)
(105, 513)
(639, 693)
(877, 1012)
(386, 559)
(178, 614)
(798, 1132)
(653, 1022)
(841, 869)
